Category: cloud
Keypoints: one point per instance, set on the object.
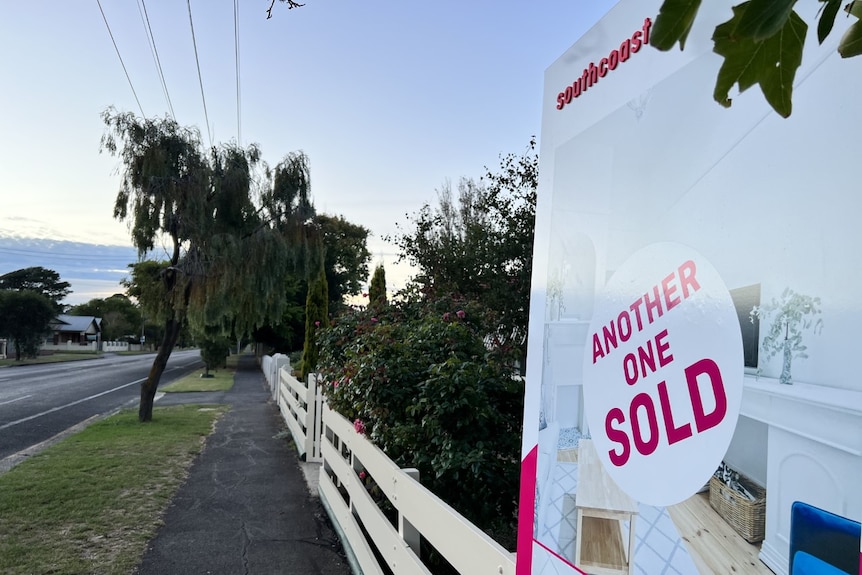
(18, 219)
(93, 270)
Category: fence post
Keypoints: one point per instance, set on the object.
(279, 361)
(409, 534)
(318, 420)
(275, 376)
(308, 398)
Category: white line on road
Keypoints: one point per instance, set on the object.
(59, 407)
(14, 400)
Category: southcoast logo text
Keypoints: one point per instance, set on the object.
(594, 72)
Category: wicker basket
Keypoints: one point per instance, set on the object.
(748, 518)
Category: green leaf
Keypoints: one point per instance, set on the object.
(854, 8)
(851, 41)
(673, 23)
(827, 18)
(772, 63)
(763, 18)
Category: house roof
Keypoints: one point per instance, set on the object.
(76, 323)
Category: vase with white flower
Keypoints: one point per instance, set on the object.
(791, 315)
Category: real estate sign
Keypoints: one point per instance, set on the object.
(694, 315)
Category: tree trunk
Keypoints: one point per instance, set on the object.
(148, 387)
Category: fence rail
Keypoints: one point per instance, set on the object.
(420, 513)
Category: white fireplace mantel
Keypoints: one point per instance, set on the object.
(826, 415)
(814, 454)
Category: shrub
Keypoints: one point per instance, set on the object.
(214, 352)
(430, 393)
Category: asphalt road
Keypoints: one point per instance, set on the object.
(39, 401)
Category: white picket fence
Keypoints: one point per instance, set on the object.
(270, 365)
(300, 404)
(325, 436)
(91, 346)
(421, 514)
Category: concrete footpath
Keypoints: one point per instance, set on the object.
(246, 507)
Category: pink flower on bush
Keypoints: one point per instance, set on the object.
(316, 324)
(335, 384)
(362, 475)
(447, 316)
(365, 294)
(373, 320)
(461, 314)
(359, 426)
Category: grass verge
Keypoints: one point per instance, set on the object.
(221, 380)
(91, 503)
(54, 358)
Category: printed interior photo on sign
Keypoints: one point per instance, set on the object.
(693, 401)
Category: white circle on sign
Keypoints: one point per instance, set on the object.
(663, 373)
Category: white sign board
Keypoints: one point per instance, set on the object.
(674, 237)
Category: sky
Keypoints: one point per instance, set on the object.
(389, 100)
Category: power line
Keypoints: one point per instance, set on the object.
(145, 20)
(121, 58)
(200, 79)
(238, 92)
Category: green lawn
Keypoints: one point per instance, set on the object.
(91, 503)
(55, 358)
(222, 380)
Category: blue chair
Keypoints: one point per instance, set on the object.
(822, 543)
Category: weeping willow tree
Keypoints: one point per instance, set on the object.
(232, 241)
